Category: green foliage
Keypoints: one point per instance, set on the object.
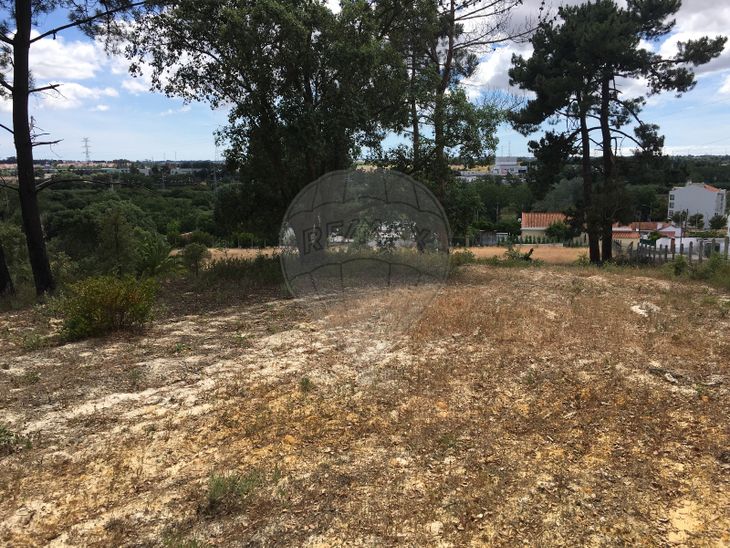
(697, 220)
(558, 231)
(10, 441)
(194, 256)
(103, 304)
(152, 254)
(566, 194)
(229, 492)
(718, 222)
(460, 258)
(306, 385)
(201, 237)
(715, 270)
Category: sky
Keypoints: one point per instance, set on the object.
(123, 119)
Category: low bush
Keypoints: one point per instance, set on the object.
(715, 270)
(230, 491)
(259, 271)
(10, 442)
(103, 304)
(460, 258)
(194, 256)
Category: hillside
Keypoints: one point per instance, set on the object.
(553, 405)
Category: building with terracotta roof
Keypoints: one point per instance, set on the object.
(695, 198)
(535, 223)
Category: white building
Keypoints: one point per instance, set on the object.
(697, 198)
(507, 165)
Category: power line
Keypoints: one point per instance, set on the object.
(87, 149)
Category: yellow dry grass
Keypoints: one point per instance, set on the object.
(547, 406)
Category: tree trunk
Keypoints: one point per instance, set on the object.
(609, 187)
(592, 227)
(6, 282)
(414, 115)
(37, 253)
(440, 163)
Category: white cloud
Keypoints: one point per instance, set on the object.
(725, 88)
(136, 85)
(172, 111)
(71, 60)
(492, 73)
(73, 95)
(100, 108)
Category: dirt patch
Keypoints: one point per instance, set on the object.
(524, 405)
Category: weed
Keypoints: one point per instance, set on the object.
(242, 340)
(179, 540)
(135, 376)
(180, 348)
(10, 442)
(306, 385)
(31, 341)
(30, 377)
(447, 441)
(228, 492)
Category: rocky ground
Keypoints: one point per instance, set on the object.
(548, 406)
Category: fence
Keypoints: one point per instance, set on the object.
(694, 250)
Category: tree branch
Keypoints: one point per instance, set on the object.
(43, 143)
(52, 87)
(6, 128)
(89, 19)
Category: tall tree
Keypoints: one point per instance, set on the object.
(306, 88)
(442, 43)
(597, 44)
(16, 81)
(6, 282)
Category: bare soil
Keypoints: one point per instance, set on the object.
(547, 406)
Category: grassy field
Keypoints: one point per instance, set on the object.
(550, 254)
(548, 406)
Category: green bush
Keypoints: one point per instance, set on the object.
(201, 237)
(461, 258)
(103, 304)
(715, 270)
(194, 256)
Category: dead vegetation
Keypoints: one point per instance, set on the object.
(552, 406)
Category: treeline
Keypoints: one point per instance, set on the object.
(309, 90)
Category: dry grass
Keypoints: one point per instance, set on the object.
(524, 406)
(550, 254)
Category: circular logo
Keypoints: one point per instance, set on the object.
(373, 241)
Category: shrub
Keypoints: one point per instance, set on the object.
(153, 254)
(230, 491)
(201, 237)
(10, 442)
(461, 258)
(260, 271)
(194, 255)
(103, 304)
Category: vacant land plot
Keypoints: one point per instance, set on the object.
(550, 254)
(549, 406)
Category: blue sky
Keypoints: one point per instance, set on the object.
(124, 120)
